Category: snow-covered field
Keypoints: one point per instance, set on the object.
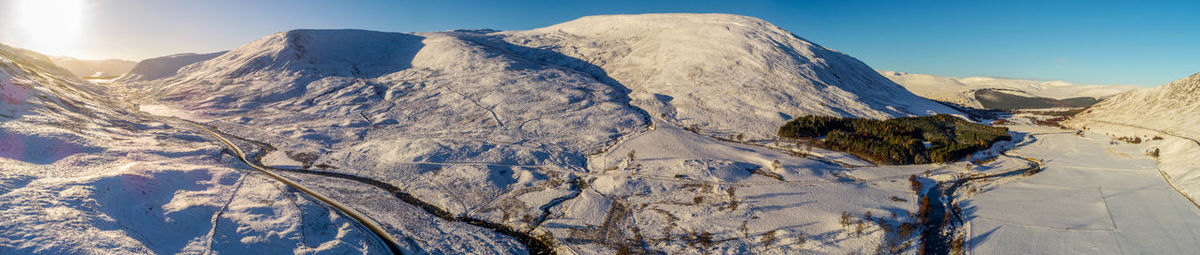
(1093, 197)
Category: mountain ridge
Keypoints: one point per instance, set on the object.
(89, 68)
(163, 67)
(780, 74)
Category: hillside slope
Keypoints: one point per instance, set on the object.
(81, 174)
(163, 67)
(1172, 107)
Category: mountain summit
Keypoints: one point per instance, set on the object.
(726, 72)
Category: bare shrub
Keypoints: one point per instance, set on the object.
(769, 238)
(916, 185)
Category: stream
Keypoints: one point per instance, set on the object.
(938, 235)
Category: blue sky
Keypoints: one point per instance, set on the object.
(1095, 42)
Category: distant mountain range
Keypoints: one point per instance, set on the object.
(1004, 93)
(94, 68)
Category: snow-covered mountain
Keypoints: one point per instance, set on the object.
(962, 90)
(517, 128)
(719, 72)
(92, 68)
(723, 72)
(82, 174)
(163, 67)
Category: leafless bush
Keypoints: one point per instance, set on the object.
(916, 185)
(769, 238)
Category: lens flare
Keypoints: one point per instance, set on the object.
(51, 26)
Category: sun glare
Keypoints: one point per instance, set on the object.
(50, 26)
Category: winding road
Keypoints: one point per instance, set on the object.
(391, 243)
(367, 223)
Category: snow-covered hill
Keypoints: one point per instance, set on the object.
(372, 104)
(723, 72)
(90, 68)
(962, 90)
(81, 174)
(1171, 111)
(719, 72)
(507, 128)
(1173, 107)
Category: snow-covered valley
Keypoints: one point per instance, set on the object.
(621, 134)
(1093, 196)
